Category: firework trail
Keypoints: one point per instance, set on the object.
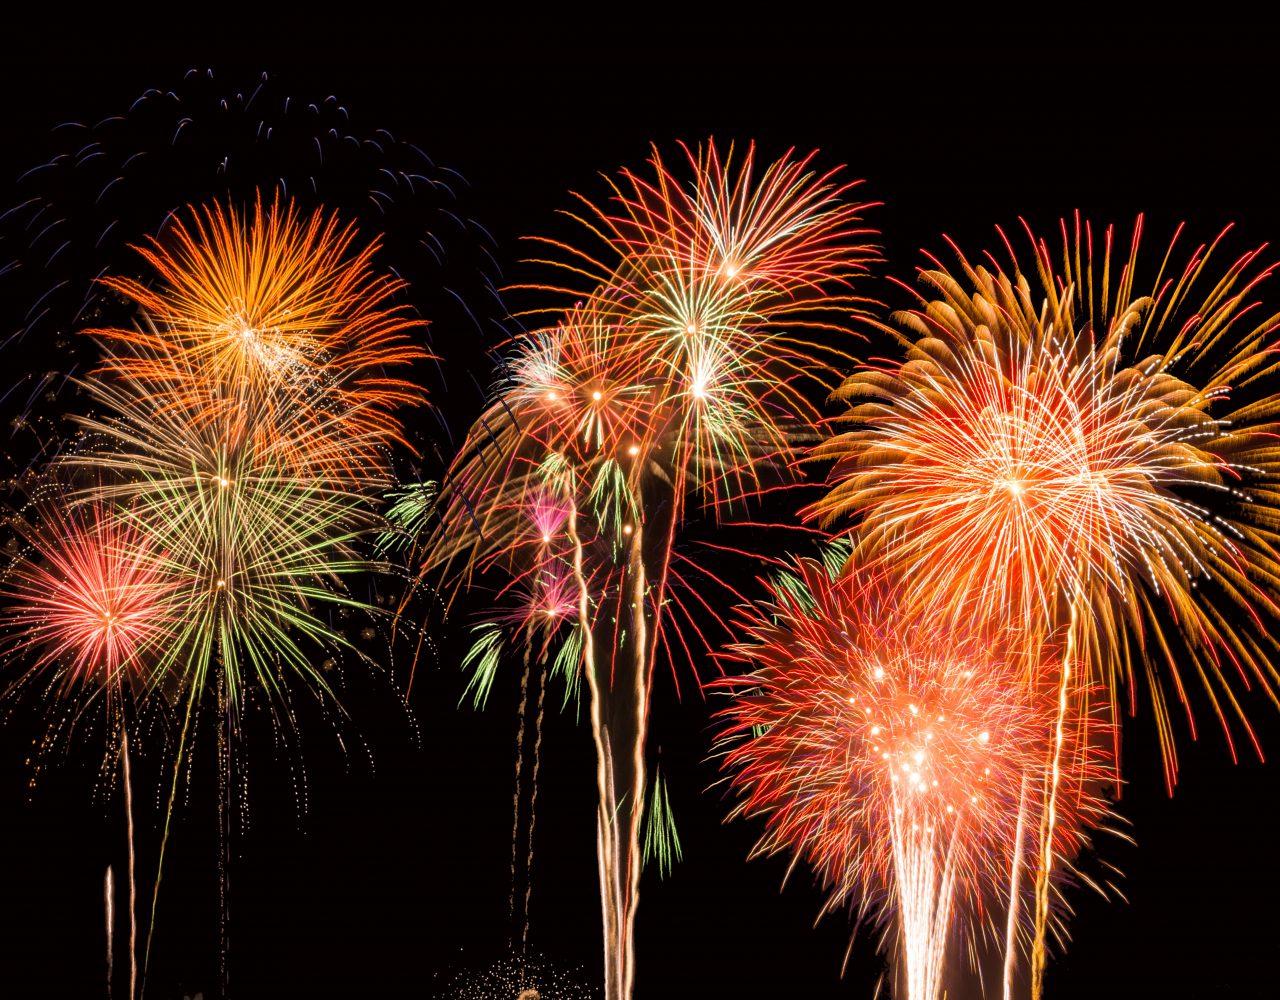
(109, 895)
(533, 806)
(1092, 463)
(895, 752)
(133, 881)
(90, 600)
(684, 375)
(519, 782)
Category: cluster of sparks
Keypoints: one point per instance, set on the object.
(1081, 470)
(901, 756)
(526, 978)
(212, 501)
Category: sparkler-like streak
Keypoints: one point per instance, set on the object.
(133, 881)
(1090, 462)
(895, 751)
(683, 376)
(533, 807)
(109, 897)
(1015, 873)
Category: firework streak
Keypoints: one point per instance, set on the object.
(684, 374)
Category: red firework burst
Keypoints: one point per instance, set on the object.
(89, 597)
(902, 757)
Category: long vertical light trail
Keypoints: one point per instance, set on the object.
(924, 882)
(1044, 869)
(1015, 875)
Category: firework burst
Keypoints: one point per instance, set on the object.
(257, 547)
(89, 597)
(1107, 452)
(1099, 467)
(212, 509)
(900, 756)
(101, 185)
(684, 375)
(273, 306)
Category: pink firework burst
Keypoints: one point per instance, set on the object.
(89, 595)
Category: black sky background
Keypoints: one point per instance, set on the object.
(395, 877)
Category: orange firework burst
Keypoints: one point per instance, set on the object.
(1084, 458)
(270, 305)
(898, 753)
(90, 596)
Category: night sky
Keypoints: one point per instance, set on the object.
(393, 879)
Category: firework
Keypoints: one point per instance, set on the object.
(900, 756)
(267, 307)
(257, 548)
(244, 416)
(102, 185)
(1097, 467)
(90, 598)
(684, 375)
(1107, 453)
(523, 978)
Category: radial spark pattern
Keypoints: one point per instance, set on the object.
(1060, 449)
(901, 757)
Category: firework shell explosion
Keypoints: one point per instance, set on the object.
(202, 532)
(903, 758)
(269, 304)
(125, 180)
(1072, 454)
(255, 544)
(87, 596)
(681, 372)
(272, 315)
